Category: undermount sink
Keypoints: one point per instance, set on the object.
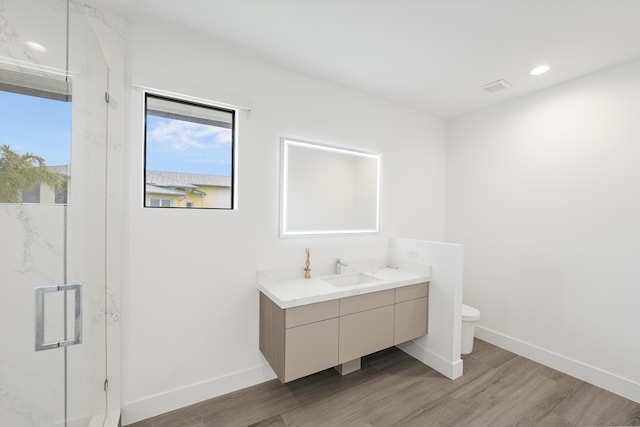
(354, 279)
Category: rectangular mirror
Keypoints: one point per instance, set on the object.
(328, 190)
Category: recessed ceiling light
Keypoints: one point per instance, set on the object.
(35, 46)
(540, 69)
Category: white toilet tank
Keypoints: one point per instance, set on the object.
(470, 316)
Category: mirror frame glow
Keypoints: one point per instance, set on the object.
(285, 229)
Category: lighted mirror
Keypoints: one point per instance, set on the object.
(328, 190)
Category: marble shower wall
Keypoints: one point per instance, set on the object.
(42, 21)
(31, 254)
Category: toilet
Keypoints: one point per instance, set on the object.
(470, 316)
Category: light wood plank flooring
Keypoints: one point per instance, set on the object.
(498, 388)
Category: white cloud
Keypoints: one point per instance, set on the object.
(182, 136)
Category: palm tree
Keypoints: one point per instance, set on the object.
(19, 172)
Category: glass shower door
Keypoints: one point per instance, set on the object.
(53, 226)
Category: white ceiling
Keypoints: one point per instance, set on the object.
(433, 55)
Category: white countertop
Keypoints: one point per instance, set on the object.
(287, 293)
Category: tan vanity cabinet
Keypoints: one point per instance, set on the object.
(411, 312)
(366, 324)
(301, 340)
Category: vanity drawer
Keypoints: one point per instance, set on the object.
(410, 292)
(364, 302)
(310, 313)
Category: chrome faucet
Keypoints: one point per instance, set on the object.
(339, 265)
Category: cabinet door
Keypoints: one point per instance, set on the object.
(311, 348)
(410, 319)
(365, 332)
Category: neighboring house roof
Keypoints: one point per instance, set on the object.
(186, 180)
(63, 169)
(178, 183)
(152, 189)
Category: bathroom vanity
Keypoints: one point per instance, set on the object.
(308, 325)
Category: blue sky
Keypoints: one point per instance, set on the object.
(181, 146)
(43, 127)
(36, 125)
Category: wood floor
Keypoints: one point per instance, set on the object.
(498, 388)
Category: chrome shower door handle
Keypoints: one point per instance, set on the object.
(40, 308)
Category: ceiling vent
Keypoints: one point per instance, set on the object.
(496, 86)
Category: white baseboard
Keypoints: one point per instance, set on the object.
(109, 420)
(416, 349)
(194, 393)
(590, 374)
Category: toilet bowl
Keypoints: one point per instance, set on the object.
(470, 316)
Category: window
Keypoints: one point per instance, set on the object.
(189, 154)
(60, 192)
(160, 203)
(35, 138)
(31, 194)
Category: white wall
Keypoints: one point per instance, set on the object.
(544, 193)
(190, 303)
(440, 348)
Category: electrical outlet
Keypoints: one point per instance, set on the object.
(413, 253)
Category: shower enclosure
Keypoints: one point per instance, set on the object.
(53, 228)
